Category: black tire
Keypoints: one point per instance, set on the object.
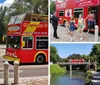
(40, 59)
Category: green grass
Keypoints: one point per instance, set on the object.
(56, 69)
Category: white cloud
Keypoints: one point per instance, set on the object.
(7, 3)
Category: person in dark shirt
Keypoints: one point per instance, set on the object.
(55, 24)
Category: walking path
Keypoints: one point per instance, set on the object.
(96, 77)
(65, 37)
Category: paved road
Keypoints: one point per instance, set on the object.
(64, 37)
(24, 70)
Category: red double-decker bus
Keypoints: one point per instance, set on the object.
(27, 38)
(67, 8)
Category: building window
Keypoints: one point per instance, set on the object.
(41, 42)
(28, 42)
(78, 11)
(61, 13)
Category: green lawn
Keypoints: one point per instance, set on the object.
(56, 69)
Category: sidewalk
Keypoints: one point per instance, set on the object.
(94, 72)
(96, 77)
(42, 80)
(65, 37)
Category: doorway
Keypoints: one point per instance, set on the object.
(94, 10)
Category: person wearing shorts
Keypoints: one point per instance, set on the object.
(81, 26)
(71, 28)
(91, 21)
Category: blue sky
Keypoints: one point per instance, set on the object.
(64, 50)
(1, 1)
(6, 2)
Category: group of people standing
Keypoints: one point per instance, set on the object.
(71, 25)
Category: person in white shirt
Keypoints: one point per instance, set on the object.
(81, 26)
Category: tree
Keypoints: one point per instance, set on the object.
(3, 21)
(19, 7)
(95, 53)
(37, 6)
(52, 7)
(75, 56)
(58, 57)
(64, 60)
(29, 6)
(54, 57)
(87, 58)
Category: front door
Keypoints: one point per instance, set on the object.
(26, 52)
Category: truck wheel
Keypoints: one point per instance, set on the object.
(40, 59)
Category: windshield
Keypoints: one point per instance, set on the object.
(13, 42)
(19, 18)
(12, 19)
(16, 19)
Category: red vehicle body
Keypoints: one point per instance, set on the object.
(76, 60)
(68, 8)
(27, 38)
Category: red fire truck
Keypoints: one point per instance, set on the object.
(67, 8)
(27, 38)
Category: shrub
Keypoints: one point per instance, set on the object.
(88, 77)
(87, 81)
(98, 69)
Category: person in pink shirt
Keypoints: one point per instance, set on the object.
(91, 21)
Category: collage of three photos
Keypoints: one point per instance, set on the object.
(49, 42)
(74, 42)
